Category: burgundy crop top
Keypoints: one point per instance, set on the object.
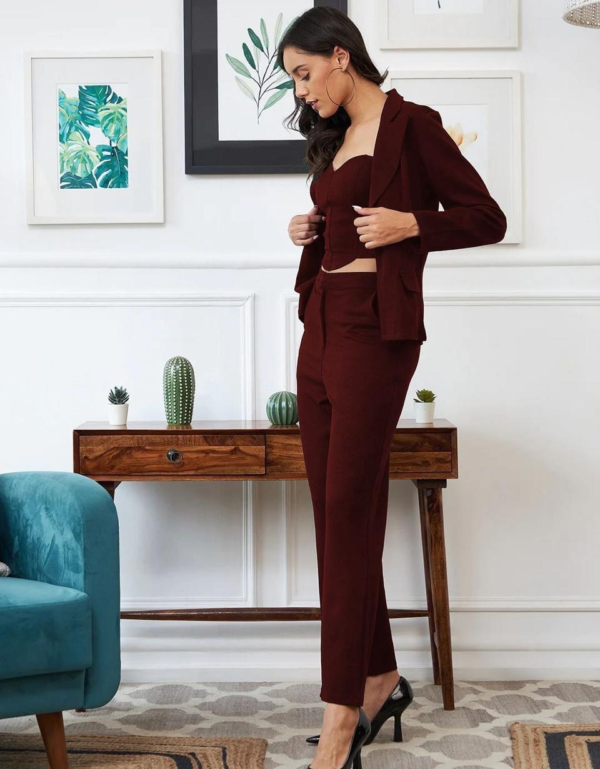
(336, 191)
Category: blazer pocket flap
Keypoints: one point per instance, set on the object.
(306, 285)
(411, 281)
(304, 293)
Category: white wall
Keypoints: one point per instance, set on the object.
(511, 351)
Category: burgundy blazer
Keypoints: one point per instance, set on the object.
(416, 166)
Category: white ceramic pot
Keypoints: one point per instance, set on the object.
(117, 413)
(424, 412)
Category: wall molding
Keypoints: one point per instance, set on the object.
(291, 334)
(246, 599)
(170, 298)
(290, 512)
(244, 302)
(498, 255)
(456, 298)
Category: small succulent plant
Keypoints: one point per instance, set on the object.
(424, 396)
(118, 395)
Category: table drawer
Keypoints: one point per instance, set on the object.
(157, 455)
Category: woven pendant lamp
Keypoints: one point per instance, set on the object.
(582, 13)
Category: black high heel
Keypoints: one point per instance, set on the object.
(400, 698)
(361, 734)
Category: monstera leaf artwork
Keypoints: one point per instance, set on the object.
(81, 110)
(92, 130)
(260, 78)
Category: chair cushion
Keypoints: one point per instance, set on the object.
(44, 628)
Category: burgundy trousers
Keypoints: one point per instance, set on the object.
(351, 387)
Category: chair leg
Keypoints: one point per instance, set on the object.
(53, 733)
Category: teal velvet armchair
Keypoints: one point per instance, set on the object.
(59, 608)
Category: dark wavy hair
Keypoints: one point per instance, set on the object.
(318, 31)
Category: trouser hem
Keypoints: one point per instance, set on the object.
(336, 700)
(380, 669)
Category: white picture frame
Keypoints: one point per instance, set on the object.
(448, 24)
(489, 134)
(128, 187)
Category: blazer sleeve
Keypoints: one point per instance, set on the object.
(471, 217)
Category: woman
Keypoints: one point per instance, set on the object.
(361, 304)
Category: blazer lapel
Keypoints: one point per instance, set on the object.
(388, 145)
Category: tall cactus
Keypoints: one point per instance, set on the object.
(179, 385)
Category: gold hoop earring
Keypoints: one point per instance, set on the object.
(349, 73)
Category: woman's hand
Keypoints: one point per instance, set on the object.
(383, 226)
(302, 227)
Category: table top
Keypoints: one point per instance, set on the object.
(236, 426)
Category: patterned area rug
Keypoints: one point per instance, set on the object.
(132, 752)
(475, 735)
(549, 746)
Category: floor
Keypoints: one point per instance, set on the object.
(473, 735)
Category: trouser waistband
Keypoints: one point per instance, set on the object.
(346, 279)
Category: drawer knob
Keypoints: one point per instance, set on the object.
(174, 456)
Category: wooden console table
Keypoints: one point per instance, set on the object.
(426, 454)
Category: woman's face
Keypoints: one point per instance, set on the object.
(309, 72)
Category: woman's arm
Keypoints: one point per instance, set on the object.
(471, 217)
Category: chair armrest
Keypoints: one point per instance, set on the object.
(62, 528)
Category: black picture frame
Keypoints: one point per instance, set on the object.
(204, 152)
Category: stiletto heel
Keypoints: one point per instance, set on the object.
(361, 732)
(400, 698)
(397, 728)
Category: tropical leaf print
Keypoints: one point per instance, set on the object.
(112, 169)
(113, 120)
(264, 88)
(78, 157)
(91, 99)
(122, 144)
(93, 138)
(74, 182)
(68, 117)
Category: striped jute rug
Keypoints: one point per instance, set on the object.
(555, 746)
(135, 752)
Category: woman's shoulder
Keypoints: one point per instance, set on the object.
(425, 121)
(416, 110)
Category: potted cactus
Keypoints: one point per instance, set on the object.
(179, 389)
(118, 406)
(424, 406)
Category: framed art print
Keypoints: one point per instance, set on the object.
(94, 137)
(449, 23)
(236, 98)
(481, 110)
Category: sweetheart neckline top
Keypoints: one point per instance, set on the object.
(339, 168)
(335, 195)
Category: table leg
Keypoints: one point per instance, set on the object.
(110, 486)
(436, 582)
(427, 566)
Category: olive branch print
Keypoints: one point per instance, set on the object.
(270, 80)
